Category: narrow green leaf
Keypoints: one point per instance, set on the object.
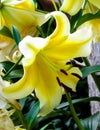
(17, 73)
(31, 115)
(87, 17)
(16, 35)
(7, 65)
(75, 101)
(22, 102)
(6, 32)
(89, 70)
(74, 20)
(92, 122)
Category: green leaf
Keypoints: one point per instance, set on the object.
(74, 20)
(6, 32)
(22, 102)
(17, 72)
(16, 35)
(7, 65)
(89, 70)
(32, 114)
(92, 122)
(75, 101)
(35, 1)
(87, 17)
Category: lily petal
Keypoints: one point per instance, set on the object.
(70, 78)
(62, 24)
(47, 90)
(77, 44)
(16, 18)
(24, 86)
(32, 46)
(23, 4)
(95, 3)
(71, 6)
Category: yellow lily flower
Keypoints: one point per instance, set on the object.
(22, 14)
(44, 63)
(73, 6)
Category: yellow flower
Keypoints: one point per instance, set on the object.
(44, 63)
(21, 14)
(73, 6)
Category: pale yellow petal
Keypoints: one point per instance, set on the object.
(30, 47)
(24, 86)
(95, 28)
(62, 24)
(15, 16)
(96, 3)
(77, 44)
(71, 6)
(69, 78)
(47, 90)
(23, 4)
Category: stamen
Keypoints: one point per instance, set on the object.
(63, 85)
(68, 63)
(64, 72)
(74, 63)
(58, 80)
(77, 75)
(66, 87)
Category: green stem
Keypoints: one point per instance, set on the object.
(39, 28)
(49, 26)
(94, 76)
(60, 3)
(54, 4)
(78, 16)
(20, 115)
(13, 67)
(75, 117)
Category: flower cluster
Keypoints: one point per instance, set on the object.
(46, 59)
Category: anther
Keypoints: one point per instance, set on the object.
(58, 80)
(64, 72)
(68, 63)
(66, 87)
(63, 85)
(77, 75)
